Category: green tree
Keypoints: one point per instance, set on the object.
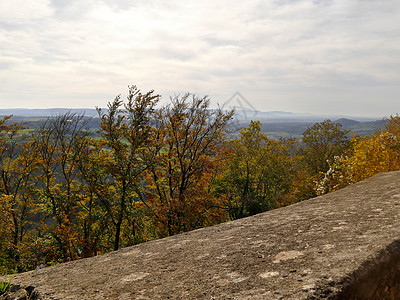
(321, 143)
(257, 175)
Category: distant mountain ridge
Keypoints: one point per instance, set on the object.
(361, 128)
(46, 112)
(283, 116)
(347, 122)
(266, 116)
(275, 123)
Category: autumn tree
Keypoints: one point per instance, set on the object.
(5, 238)
(321, 143)
(93, 220)
(6, 235)
(56, 143)
(373, 155)
(339, 175)
(182, 160)
(125, 130)
(17, 169)
(392, 127)
(368, 156)
(257, 174)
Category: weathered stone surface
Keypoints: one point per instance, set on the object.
(344, 245)
(20, 294)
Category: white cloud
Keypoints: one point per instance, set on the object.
(293, 51)
(24, 11)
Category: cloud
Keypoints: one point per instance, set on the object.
(24, 11)
(293, 51)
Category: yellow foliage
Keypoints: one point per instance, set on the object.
(369, 156)
(373, 155)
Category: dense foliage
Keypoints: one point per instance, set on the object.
(154, 172)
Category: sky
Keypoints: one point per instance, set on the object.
(304, 56)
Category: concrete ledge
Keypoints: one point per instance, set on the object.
(344, 245)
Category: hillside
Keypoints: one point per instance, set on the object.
(361, 128)
(296, 129)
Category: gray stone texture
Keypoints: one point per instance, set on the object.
(343, 245)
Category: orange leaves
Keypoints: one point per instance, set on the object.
(189, 136)
(157, 172)
(149, 168)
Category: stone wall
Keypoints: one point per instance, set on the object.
(343, 245)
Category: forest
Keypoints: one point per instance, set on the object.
(152, 172)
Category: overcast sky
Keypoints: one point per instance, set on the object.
(311, 56)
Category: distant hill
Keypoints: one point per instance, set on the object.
(282, 116)
(263, 116)
(361, 128)
(278, 129)
(47, 112)
(275, 124)
(347, 123)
